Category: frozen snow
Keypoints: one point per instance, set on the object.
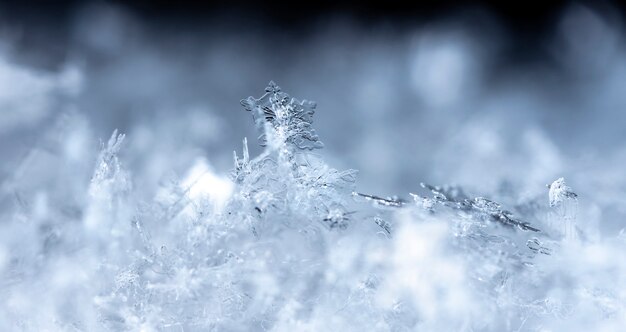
(287, 244)
(159, 228)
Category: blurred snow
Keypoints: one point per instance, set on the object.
(145, 231)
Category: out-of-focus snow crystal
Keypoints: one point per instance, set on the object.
(109, 184)
(204, 185)
(109, 174)
(560, 192)
(564, 201)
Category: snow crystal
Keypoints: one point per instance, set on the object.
(287, 243)
(565, 204)
(289, 119)
(559, 192)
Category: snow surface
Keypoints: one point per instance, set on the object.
(158, 227)
(287, 244)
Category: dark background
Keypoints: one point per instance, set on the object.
(45, 26)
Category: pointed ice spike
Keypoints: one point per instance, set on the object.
(112, 139)
(246, 154)
(564, 202)
(272, 87)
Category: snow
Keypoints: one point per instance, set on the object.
(286, 243)
(160, 228)
(559, 192)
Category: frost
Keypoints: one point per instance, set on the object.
(560, 192)
(242, 166)
(383, 224)
(455, 198)
(287, 243)
(109, 174)
(283, 119)
(380, 201)
(565, 204)
(109, 185)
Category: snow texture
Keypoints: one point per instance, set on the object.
(159, 226)
(285, 243)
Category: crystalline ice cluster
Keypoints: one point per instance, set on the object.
(287, 243)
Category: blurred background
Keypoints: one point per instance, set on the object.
(494, 97)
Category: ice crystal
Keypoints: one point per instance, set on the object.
(380, 201)
(109, 171)
(288, 243)
(242, 166)
(455, 198)
(283, 119)
(564, 203)
(559, 192)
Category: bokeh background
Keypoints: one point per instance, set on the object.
(493, 97)
(147, 231)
